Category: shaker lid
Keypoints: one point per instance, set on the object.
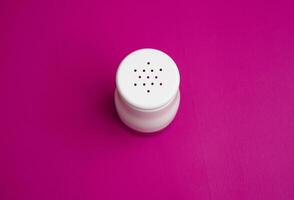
(147, 79)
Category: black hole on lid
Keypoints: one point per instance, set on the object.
(144, 84)
(151, 70)
(143, 70)
(147, 76)
(135, 84)
(148, 91)
(160, 83)
(139, 76)
(152, 83)
(160, 69)
(156, 77)
(135, 70)
(148, 63)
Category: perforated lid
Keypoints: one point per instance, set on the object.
(147, 79)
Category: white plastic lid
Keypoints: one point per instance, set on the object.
(147, 79)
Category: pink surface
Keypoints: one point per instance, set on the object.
(60, 137)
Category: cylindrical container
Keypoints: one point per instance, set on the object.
(147, 93)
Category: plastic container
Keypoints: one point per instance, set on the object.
(147, 93)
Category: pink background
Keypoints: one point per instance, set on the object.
(60, 137)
